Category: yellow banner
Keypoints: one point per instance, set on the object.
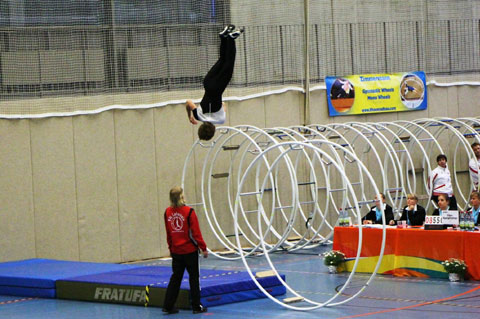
(376, 93)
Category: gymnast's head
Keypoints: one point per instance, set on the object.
(206, 131)
(177, 199)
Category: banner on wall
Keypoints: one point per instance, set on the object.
(376, 93)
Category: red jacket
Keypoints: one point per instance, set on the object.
(183, 232)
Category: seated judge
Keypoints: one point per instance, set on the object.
(375, 214)
(475, 208)
(443, 205)
(413, 213)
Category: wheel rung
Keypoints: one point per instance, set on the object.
(305, 183)
(251, 211)
(309, 202)
(282, 207)
(425, 139)
(249, 193)
(416, 171)
(275, 132)
(206, 145)
(230, 147)
(195, 204)
(220, 175)
(338, 190)
(365, 202)
(233, 235)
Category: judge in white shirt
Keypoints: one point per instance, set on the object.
(442, 182)
(474, 165)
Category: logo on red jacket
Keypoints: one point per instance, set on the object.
(176, 221)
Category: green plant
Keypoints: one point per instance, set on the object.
(333, 258)
(456, 266)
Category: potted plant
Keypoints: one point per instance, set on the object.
(333, 259)
(456, 268)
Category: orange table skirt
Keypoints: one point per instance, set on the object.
(410, 252)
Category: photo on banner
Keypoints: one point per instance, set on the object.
(376, 93)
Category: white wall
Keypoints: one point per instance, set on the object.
(94, 187)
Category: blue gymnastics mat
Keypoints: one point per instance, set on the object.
(129, 287)
(126, 284)
(37, 277)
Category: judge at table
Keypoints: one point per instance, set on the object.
(475, 209)
(375, 214)
(443, 205)
(413, 213)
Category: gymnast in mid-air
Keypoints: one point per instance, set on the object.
(212, 110)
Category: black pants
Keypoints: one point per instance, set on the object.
(179, 263)
(217, 79)
(452, 202)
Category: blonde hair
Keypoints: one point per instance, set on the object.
(475, 194)
(412, 196)
(176, 197)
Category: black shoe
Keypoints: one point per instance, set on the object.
(236, 33)
(200, 310)
(171, 311)
(228, 29)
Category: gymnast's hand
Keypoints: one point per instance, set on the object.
(190, 106)
(205, 253)
(193, 120)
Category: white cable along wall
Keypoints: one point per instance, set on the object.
(284, 188)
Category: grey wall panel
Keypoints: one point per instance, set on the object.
(468, 97)
(147, 63)
(94, 65)
(437, 101)
(61, 66)
(318, 107)
(452, 102)
(20, 68)
(56, 228)
(284, 109)
(137, 184)
(96, 187)
(17, 240)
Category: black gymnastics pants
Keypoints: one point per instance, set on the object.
(179, 263)
(217, 79)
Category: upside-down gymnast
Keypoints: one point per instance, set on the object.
(212, 110)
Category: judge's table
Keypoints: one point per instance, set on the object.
(409, 252)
